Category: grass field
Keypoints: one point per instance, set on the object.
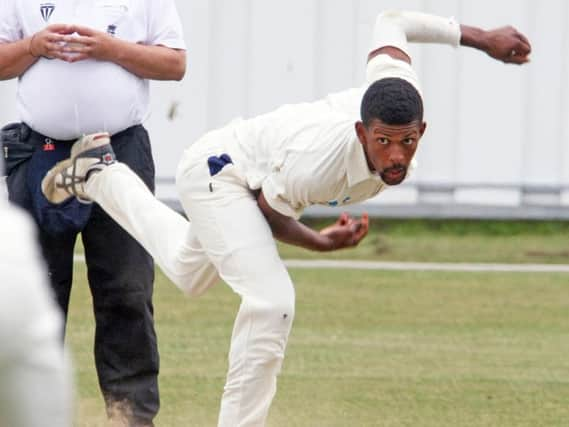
(372, 348)
(455, 241)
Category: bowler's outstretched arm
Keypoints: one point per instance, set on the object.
(392, 33)
(346, 232)
(395, 29)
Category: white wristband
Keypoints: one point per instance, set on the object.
(395, 28)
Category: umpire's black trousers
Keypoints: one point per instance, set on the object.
(121, 276)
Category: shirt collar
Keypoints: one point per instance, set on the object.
(356, 165)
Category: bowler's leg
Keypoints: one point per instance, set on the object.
(164, 233)
(258, 343)
(239, 242)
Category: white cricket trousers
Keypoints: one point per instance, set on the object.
(227, 237)
(35, 378)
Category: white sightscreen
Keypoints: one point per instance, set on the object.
(497, 142)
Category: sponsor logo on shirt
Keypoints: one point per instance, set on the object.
(335, 203)
(46, 10)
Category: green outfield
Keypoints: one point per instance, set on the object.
(376, 348)
(455, 241)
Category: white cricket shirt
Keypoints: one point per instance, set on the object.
(64, 101)
(307, 154)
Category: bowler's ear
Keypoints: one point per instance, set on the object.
(423, 128)
(360, 131)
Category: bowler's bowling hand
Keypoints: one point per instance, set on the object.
(346, 232)
(505, 44)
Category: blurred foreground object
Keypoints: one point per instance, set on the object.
(35, 381)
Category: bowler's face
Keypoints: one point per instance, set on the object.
(389, 149)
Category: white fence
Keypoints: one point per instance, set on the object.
(497, 142)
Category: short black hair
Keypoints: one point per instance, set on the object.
(393, 101)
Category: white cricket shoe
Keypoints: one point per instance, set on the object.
(90, 154)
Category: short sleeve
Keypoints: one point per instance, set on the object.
(10, 27)
(165, 27)
(275, 192)
(286, 189)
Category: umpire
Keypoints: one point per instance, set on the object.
(84, 67)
